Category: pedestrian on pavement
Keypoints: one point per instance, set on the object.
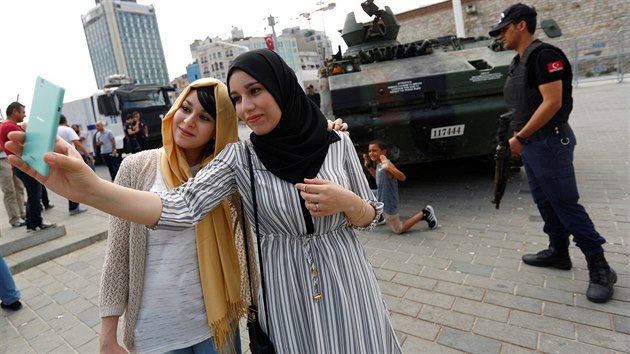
(321, 292)
(87, 145)
(387, 176)
(203, 268)
(132, 130)
(106, 142)
(314, 96)
(34, 222)
(538, 89)
(13, 193)
(68, 134)
(9, 294)
(143, 134)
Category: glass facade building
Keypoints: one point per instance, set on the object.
(123, 38)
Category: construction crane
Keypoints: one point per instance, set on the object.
(307, 15)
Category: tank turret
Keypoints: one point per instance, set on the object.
(430, 99)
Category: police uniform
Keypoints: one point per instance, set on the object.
(548, 153)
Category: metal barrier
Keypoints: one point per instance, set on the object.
(595, 56)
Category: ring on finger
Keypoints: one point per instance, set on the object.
(316, 207)
(305, 186)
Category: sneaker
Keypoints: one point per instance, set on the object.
(14, 306)
(429, 217)
(19, 223)
(41, 226)
(77, 211)
(49, 206)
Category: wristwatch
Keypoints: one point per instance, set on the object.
(521, 139)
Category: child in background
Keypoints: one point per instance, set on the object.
(387, 177)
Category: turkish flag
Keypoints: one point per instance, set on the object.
(269, 41)
(555, 66)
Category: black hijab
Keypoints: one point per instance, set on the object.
(296, 148)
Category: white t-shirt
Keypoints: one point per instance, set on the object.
(66, 133)
(172, 314)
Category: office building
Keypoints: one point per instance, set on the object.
(123, 38)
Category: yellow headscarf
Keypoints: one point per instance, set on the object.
(218, 262)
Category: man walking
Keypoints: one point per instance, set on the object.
(538, 89)
(106, 141)
(34, 222)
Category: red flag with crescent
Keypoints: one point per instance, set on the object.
(269, 41)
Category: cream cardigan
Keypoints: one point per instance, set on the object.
(122, 278)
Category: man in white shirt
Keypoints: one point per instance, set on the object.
(68, 134)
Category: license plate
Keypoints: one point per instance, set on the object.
(446, 132)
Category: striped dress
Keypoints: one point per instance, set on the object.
(322, 294)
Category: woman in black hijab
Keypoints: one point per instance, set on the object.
(322, 295)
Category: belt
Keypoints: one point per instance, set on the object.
(561, 130)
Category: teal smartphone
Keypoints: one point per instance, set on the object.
(43, 121)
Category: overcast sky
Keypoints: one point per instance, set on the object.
(44, 37)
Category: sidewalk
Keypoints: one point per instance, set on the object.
(460, 288)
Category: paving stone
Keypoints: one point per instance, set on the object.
(392, 289)
(506, 333)
(415, 327)
(93, 347)
(63, 322)
(384, 274)
(62, 349)
(479, 309)
(543, 324)
(547, 294)
(621, 324)
(429, 298)
(443, 275)
(492, 284)
(468, 268)
(468, 342)
(402, 267)
(418, 345)
(414, 281)
(446, 318)
(618, 305)
(46, 341)
(430, 261)
(402, 306)
(78, 335)
(552, 344)
(513, 349)
(519, 276)
(514, 302)
(458, 290)
(603, 338)
(65, 296)
(578, 315)
(33, 328)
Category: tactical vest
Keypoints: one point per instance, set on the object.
(521, 91)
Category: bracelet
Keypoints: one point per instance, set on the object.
(521, 139)
(361, 214)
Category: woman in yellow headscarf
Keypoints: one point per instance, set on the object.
(185, 292)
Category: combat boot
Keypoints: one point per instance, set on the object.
(601, 279)
(550, 258)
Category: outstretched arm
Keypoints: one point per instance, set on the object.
(71, 178)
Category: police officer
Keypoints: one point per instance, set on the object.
(538, 89)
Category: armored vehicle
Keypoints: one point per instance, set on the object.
(429, 100)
